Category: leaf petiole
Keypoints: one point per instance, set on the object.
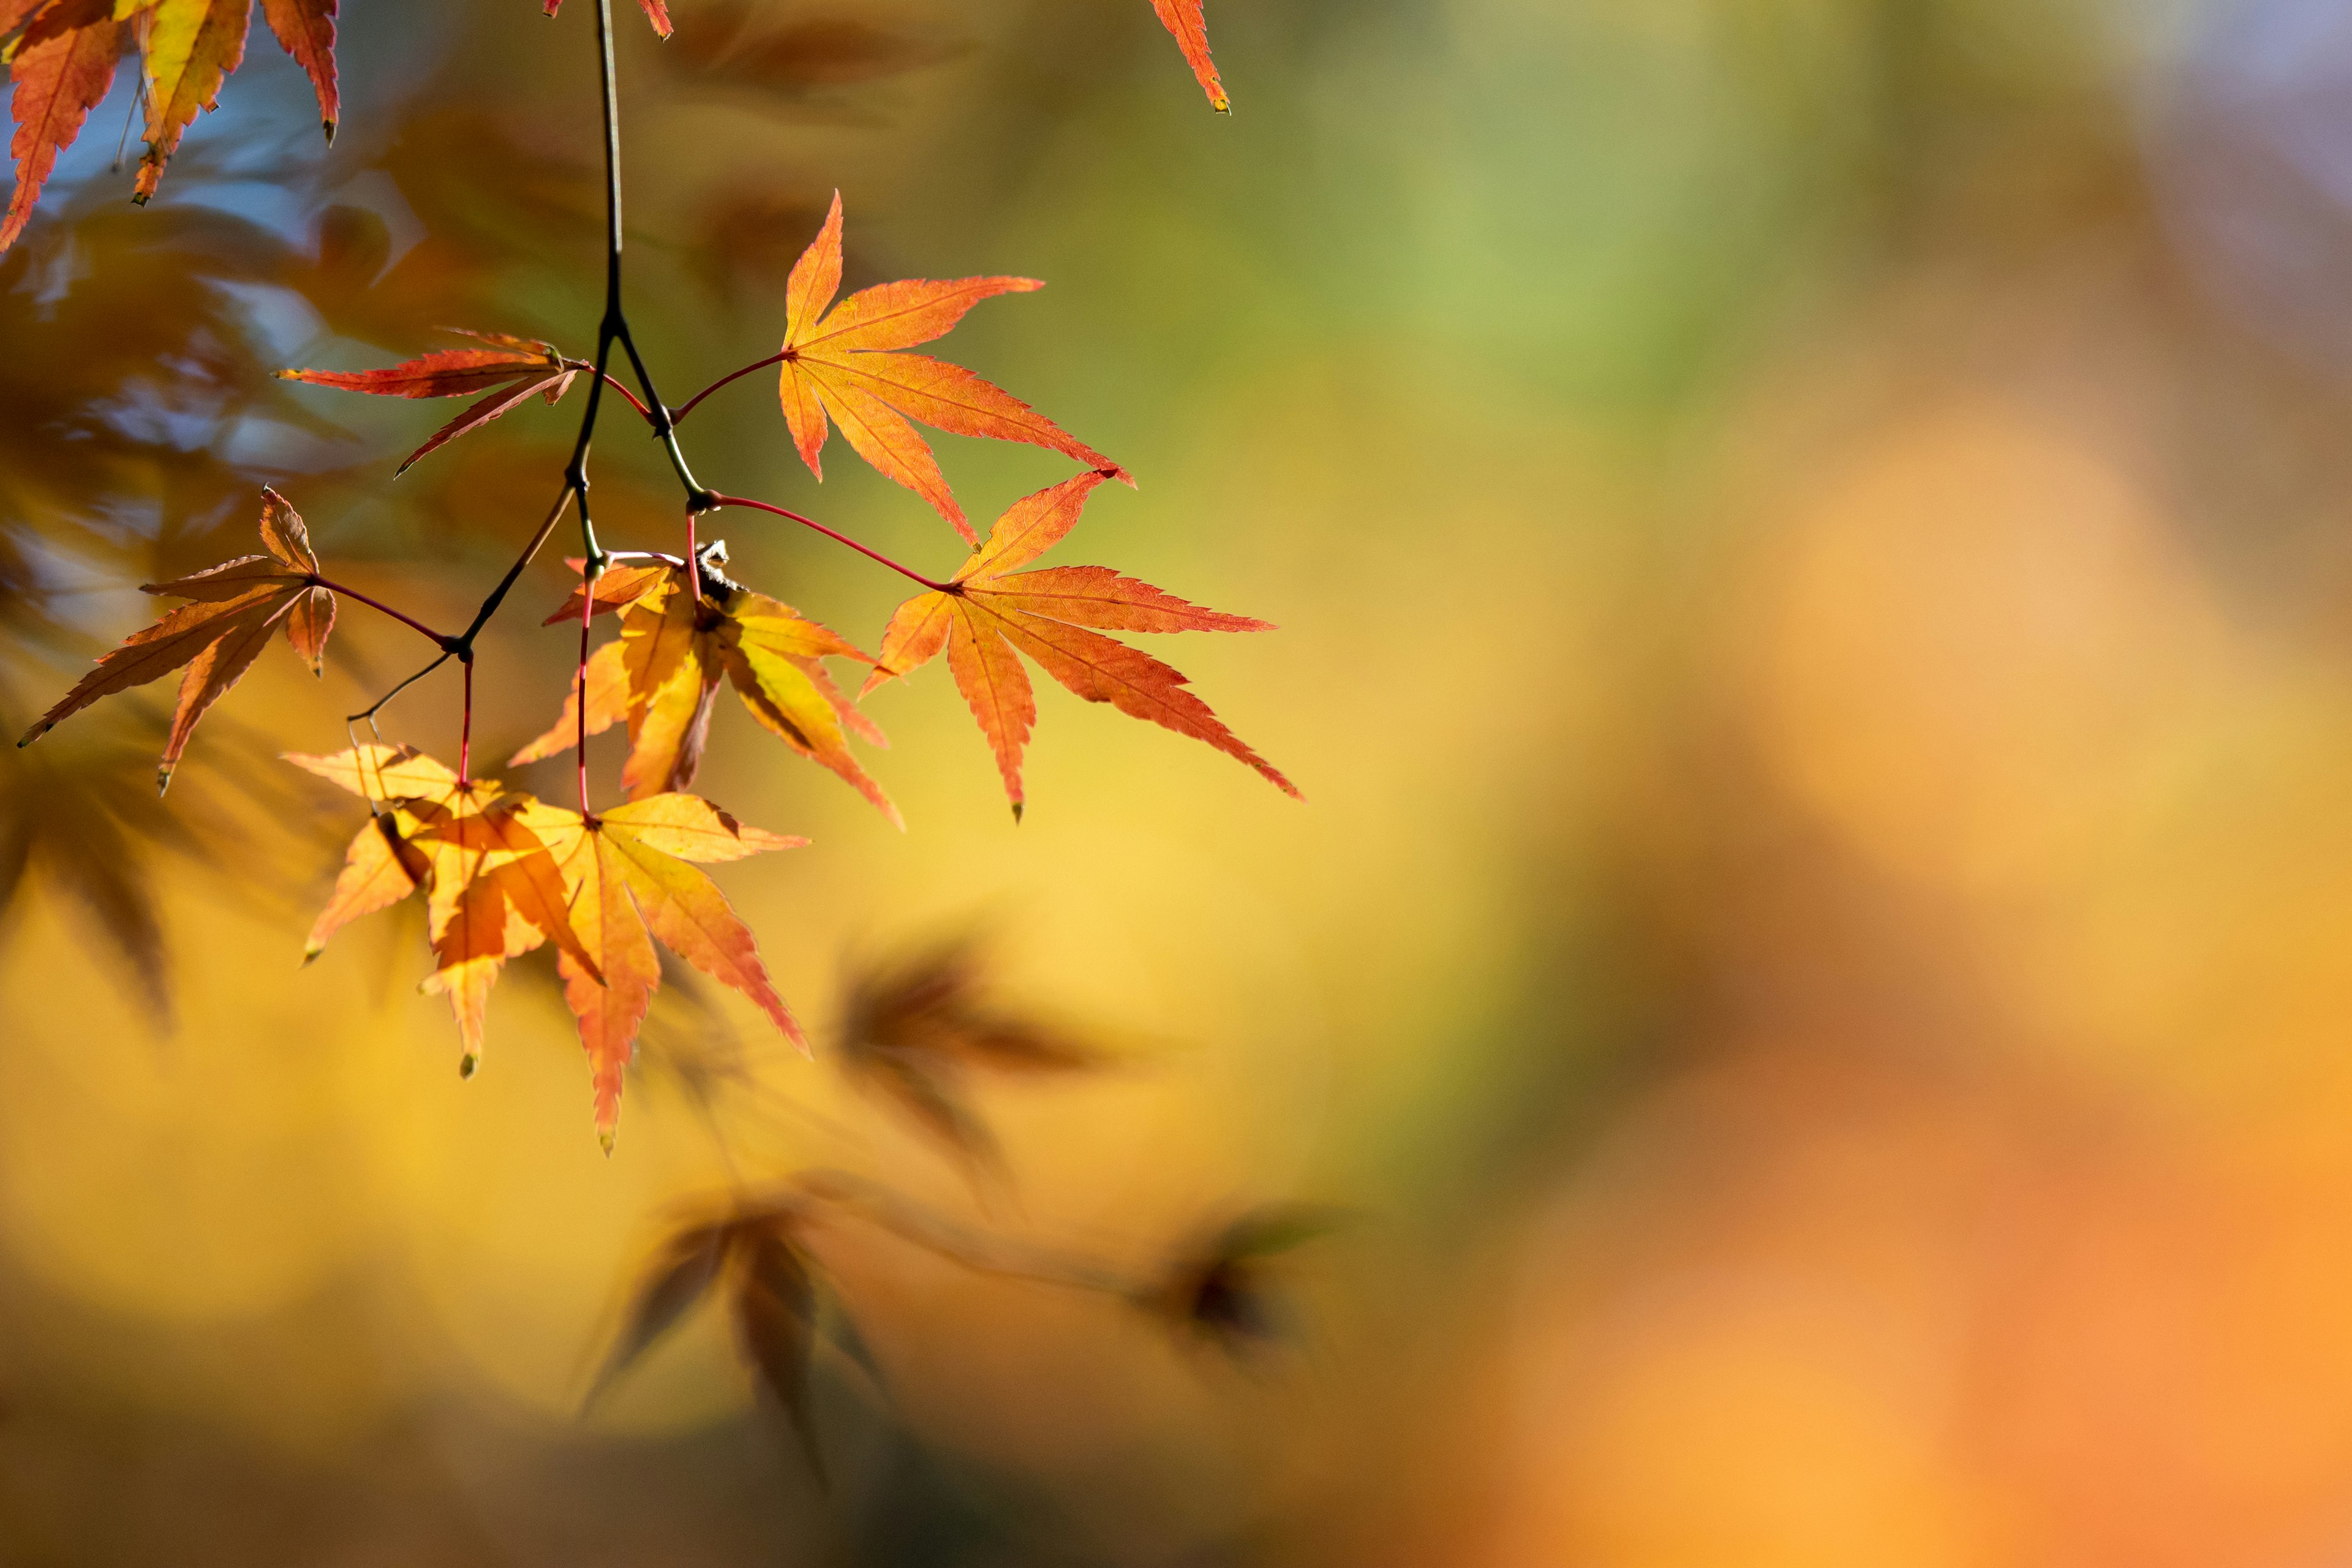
(718, 500)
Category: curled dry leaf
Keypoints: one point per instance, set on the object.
(991, 614)
(234, 608)
(513, 370)
(1184, 18)
(663, 678)
(846, 363)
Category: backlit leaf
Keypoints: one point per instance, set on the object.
(627, 880)
(1184, 18)
(662, 678)
(992, 615)
(846, 366)
(216, 638)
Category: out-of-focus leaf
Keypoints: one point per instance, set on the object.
(677, 1277)
(748, 44)
(912, 1030)
(1227, 1292)
(756, 1258)
(775, 1322)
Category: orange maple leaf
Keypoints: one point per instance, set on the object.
(516, 369)
(662, 678)
(846, 363)
(493, 890)
(306, 30)
(189, 48)
(1184, 18)
(657, 12)
(989, 614)
(62, 67)
(627, 882)
(238, 605)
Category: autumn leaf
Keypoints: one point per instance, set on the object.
(1184, 18)
(662, 678)
(493, 890)
(914, 1030)
(990, 615)
(306, 30)
(63, 66)
(515, 369)
(626, 881)
(1224, 1287)
(381, 868)
(775, 1324)
(798, 56)
(681, 1274)
(190, 48)
(845, 364)
(235, 605)
(657, 12)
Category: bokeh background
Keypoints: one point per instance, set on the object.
(1811, 540)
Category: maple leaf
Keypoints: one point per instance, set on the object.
(844, 363)
(493, 889)
(515, 369)
(306, 30)
(657, 12)
(913, 1029)
(627, 880)
(190, 49)
(236, 605)
(758, 1255)
(989, 615)
(662, 678)
(1184, 18)
(63, 65)
(1224, 1288)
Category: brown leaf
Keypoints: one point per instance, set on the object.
(775, 1322)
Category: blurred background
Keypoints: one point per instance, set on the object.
(1810, 541)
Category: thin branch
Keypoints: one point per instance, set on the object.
(497, 594)
(881, 1207)
(369, 713)
(678, 415)
(718, 500)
